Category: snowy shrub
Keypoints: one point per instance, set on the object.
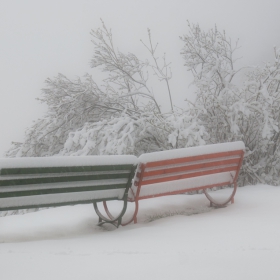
(122, 115)
(249, 113)
(119, 117)
(130, 135)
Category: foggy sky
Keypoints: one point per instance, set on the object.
(40, 39)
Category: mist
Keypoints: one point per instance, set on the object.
(41, 39)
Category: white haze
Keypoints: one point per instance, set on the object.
(40, 39)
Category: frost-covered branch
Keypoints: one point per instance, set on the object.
(228, 112)
(163, 73)
(126, 72)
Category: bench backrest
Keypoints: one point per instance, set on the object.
(56, 181)
(184, 170)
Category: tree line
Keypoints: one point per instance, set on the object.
(122, 115)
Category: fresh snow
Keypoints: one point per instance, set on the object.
(55, 161)
(192, 151)
(177, 237)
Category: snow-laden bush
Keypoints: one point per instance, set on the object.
(122, 116)
(127, 134)
(249, 113)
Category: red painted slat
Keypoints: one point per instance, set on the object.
(190, 175)
(184, 190)
(193, 158)
(194, 167)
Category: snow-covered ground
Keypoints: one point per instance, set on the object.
(241, 241)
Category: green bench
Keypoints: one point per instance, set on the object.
(27, 183)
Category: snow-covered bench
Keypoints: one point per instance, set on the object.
(185, 170)
(57, 181)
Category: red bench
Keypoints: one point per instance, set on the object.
(185, 170)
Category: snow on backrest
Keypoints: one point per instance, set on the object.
(221, 160)
(193, 151)
(35, 162)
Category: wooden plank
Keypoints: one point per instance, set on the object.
(58, 190)
(190, 175)
(191, 167)
(186, 190)
(193, 158)
(45, 175)
(42, 170)
(64, 185)
(43, 180)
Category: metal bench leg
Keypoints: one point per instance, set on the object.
(132, 219)
(102, 219)
(99, 220)
(136, 212)
(214, 203)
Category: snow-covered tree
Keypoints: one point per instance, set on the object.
(210, 58)
(249, 113)
(260, 122)
(121, 116)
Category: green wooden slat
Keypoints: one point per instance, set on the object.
(41, 170)
(60, 190)
(28, 181)
(56, 204)
(45, 175)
